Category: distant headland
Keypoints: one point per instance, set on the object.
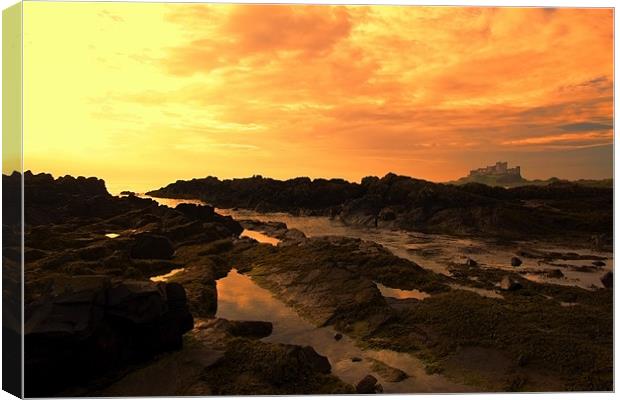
(501, 175)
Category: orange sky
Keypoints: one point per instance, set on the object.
(144, 94)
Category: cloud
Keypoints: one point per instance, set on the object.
(567, 139)
(586, 126)
(342, 90)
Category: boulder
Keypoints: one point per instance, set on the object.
(89, 318)
(515, 261)
(368, 385)
(203, 213)
(471, 262)
(555, 273)
(608, 280)
(338, 336)
(294, 235)
(147, 245)
(308, 356)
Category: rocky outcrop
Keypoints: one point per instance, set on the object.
(89, 257)
(148, 246)
(255, 368)
(91, 325)
(368, 385)
(412, 204)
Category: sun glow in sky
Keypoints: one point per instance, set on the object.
(145, 94)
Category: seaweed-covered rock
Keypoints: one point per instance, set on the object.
(254, 367)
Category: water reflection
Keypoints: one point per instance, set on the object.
(260, 237)
(402, 294)
(239, 298)
(172, 203)
(165, 277)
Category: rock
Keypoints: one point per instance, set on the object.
(555, 273)
(308, 356)
(510, 284)
(387, 214)
(248, 329)
(293, 235)
(92, 318)
(471, 262)
(147, 245)
(198, 212)
(515, 261)
(252, 367)
(356, 359)
(368, 385)
(608, 280)
(387, 372)
(598, 263)
(338, 336)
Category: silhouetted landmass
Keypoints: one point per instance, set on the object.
(559, 210)
(509, 181)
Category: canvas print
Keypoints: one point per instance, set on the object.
(238, 199)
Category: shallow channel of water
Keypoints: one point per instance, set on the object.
(240, 298)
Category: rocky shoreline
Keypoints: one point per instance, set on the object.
(561, 211)
(90, 257)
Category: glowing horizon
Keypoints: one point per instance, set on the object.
(143, 94)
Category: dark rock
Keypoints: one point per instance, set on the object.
(510, 284)
(147, 246)
(515, 261)
(387, 214)
(338, 336)
(608, 280)
(368, 385)
(356, 359)
(598, 263)
(308, 356)
(203, 213)
(251, 367)
(555, 273)
(92, 318)
(471, 262)
(293, 235)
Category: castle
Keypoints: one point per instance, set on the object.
(500, 168)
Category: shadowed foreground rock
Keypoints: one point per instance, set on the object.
(91, 325)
